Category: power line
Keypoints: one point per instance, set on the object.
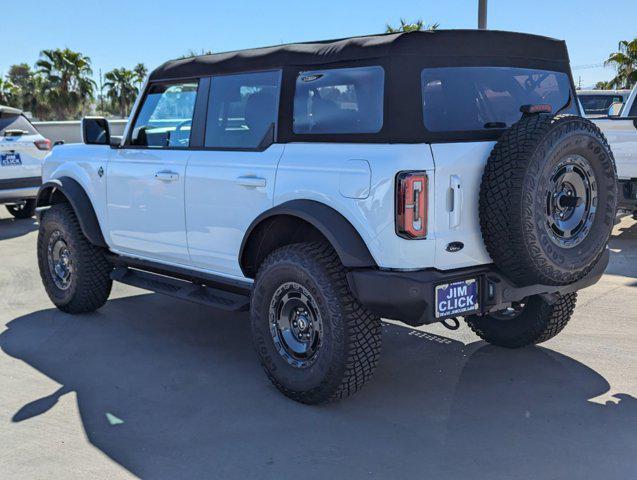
(585, 67)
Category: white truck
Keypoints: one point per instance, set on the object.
(621, 132)
(326, 185)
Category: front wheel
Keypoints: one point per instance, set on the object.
(314, 340)
(75, 273)
(526, 323)
(22, 210)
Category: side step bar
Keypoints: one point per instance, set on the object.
(182, 289)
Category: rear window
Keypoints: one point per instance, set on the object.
(482, 98)
(341, 100)
(18, 123)
(598, 104)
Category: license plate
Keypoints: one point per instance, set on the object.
(10, 159)
(457, 298)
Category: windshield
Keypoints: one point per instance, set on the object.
(598, 104)
(481, 98)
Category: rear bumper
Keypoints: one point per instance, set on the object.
(16, 189)
(409, 296)
(628, 194)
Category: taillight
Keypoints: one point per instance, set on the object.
(44, 144)
(411, 204)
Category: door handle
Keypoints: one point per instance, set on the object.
(248, 181)
(456, 203)
(167, 176)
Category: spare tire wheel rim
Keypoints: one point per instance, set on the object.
(571, 201)
(59, 260)
(296, 325)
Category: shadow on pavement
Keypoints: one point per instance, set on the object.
(12, 227)
(623, 245)
(173, 390)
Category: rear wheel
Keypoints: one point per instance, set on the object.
(75, 273)
(24, 209)
(528, 322)
(314, 340)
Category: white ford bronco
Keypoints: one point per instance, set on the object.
(323, 186)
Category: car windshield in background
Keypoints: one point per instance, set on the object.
(598, 104)
(16, 125)
(479, 98)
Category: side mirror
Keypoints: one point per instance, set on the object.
(116, 141)
(95, 131)
(614, 109)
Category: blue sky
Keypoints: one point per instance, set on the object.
(117, 33)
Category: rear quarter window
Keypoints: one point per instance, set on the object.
(341, 100)
(483, 98)
(19, 123)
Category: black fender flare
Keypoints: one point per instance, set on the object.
(338, 231)
(80, 202)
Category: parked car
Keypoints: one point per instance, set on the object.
(412, 176)
(597, 103)
(22, 150)
(621, 132)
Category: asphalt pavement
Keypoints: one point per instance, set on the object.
(158, 388)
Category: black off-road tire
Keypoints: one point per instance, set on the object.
(536, 323)
(90, 282)
(513, 199)
(22, 210)
(351, 339)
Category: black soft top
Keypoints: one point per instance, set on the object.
(437, 48)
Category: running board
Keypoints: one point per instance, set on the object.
(182, 289)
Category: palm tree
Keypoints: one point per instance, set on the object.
(602, 85)
(417, 26)
(625, 63)
(67, 81)
(140, 74)
(121, 89)
(8, 93)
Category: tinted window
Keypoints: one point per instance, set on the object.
(16, 122)
(242, 109)
(165, 118)
(598, 104)
(344, 100)
(633, 109)
(478, 98)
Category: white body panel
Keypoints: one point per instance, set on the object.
(225, 192)
(29, 154)
(333, 173)
(622, 137)
(199, 218)
(456, 216)
(145, 203)
(82, 163)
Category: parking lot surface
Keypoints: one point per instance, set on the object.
(153, 387)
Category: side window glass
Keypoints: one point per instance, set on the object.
(342, 100)
(165, 118)
(242, 109)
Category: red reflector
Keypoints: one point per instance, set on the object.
(411, 204)
(43, 144)
(540, 108)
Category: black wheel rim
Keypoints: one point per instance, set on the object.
(295, 325)
(59, 260)
(571, 201)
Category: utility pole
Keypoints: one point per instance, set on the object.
(101, 94)
(482, 14)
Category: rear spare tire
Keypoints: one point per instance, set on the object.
(548, 199)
